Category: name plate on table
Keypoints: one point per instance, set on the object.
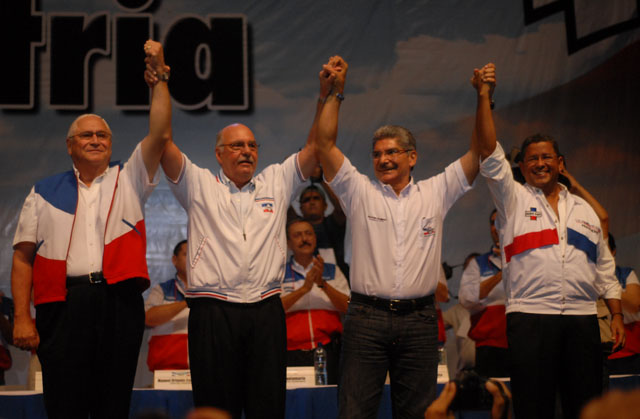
(172, 379)
(300, 377)
(443, 374)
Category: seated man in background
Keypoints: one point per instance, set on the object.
(627, 359)
(314, 295)
(482, 293)
(167, 313)
(330, 230)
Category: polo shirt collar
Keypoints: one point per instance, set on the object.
(404, 192)
(226, 181)
(98, 178)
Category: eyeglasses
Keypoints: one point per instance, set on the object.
(239, 145)
(535, 158)
(87, 135)
(392, 153)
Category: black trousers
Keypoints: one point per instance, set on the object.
(89, 348)
(553, 354)
(492, 361)
(237, 354)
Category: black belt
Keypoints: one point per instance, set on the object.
(393, 305)
(94, 278)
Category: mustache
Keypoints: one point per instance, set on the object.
(305, 243)
(388, 165)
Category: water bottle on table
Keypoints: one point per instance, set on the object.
(320, 365)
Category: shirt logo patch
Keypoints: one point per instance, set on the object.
(266, 204)
(533, 214)
(427, 230)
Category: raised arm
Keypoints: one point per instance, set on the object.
(328, 153)
(25, 335)
(484, 81)
(307, 158)
(160, 113)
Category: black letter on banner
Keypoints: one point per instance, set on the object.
(209, 62)
(135, 5)
(73, 39)
(130, 33)
(21, 31)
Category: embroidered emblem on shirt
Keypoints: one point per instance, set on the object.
(533, 214)
(427, 230)
(590, 227)
(266, 204)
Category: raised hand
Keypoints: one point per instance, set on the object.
(156, 67)
(484, 79)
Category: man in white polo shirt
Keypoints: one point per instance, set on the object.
(391, 324)
(236, 260)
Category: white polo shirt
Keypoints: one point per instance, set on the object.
(237, 244)
(397, 240)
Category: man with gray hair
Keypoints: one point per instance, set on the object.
(391, 323)
(80, 247)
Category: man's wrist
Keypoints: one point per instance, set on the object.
(617, 313)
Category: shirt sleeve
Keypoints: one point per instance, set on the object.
(28, 221)
(180, 186)
(454, 184)
(497, 171)
(606, 281)
(155, 298)
(347, 185)
(137, 173)
(469, 292)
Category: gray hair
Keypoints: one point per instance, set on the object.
(74, 124)
(402, 135)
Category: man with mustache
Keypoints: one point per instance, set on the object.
(555, 265)
(80, 247)
(391, 324)
(235, 265)
(314, 294)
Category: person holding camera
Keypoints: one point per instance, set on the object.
(451, 398)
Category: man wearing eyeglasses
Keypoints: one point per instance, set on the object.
(330, 230)
(555, 264)
(391, 323)
(236, 258)
(80, 247)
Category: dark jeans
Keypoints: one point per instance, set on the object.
(376, 341)
(237, 356)
(89, 348)
(553, 354)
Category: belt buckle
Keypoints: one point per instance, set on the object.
(394, 305)
(95, 279)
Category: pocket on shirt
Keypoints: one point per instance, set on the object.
(427, 231)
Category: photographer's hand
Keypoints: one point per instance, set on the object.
(501, 408)
(439, 409)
